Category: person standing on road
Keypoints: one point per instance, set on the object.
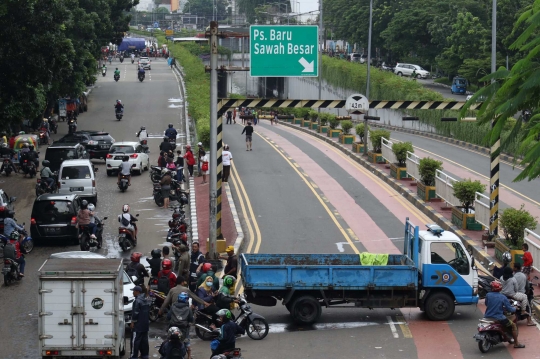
(140, 325)
(510, 289)
(197, 258)
(248, 130)
(234, 115)
(204, 168)
(226, 157)
(190, 160)
(231, 268)
(179, 163)
(521, 280)
(527, 261)
(200, 153)
(181, 286)
(229, 117)
(184, 261)
(165, 183)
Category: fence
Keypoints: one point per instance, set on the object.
(482, 210)
(386, 150)
(444, 188)
(533, 240)
(413, 165)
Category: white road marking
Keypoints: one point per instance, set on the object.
(392, 327)
(282, 328)
(176, 100)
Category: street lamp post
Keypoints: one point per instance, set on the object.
(368, 75)
(494, 149)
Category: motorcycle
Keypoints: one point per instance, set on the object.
(42, 188)
(72, 126)
(43, 136)
(144, 144)
(7, 165)
(141, 77)
(155, 173)
(157, 299)
(28, 167)
(126, 238)
(484, 285)
(255, 325)
(103, 71)
(116, 78)
(176, 194)
(99, 231)
(121, 59)
(123, 183)
(86, 242)
(119, 114)
(10, 271)
(132, 61)
(490, 333)
(54, 126)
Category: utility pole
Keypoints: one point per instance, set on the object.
(212, 249)
(495, 146)
(368, 76)
(320, 54)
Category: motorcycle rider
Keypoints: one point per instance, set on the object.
(104, 67)
(128, 221)
(155, 262)
(23, 153)
(167, 273)
(94, 220)
(142, 134)
(83, 218)
(132, 57)
(197, 258)
(166, 146)
(118, 106)
(117, 72)
(510, 289)
(173, 347)
(11, 225)
(495, 303)
(7, 152)
(141, 72)
(181, 316)
(14, 251)
(224, 299)
(506, 259)
(171, 132)
(522, 282)
(124, 170)
(45, 125)
(227, 332)
(208, 270)
(46, 174)
(136, 269)
(33, 156)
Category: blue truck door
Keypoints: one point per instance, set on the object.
(450, 268)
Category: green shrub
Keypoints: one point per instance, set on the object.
(301, 113)
(324, 118)
(400, 150)
(465, 192)
(359, 129)
(346, 127)
(333, 122)
(313, 115)
(376, 139)
(428, 169)
(513, 223)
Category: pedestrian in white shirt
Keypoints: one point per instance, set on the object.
(205, 166)
(226, 157)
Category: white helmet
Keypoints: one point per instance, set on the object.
(91, 207)
(45, 120)
(506, 257)
(4, 145)
(164, 171)
(125, 208)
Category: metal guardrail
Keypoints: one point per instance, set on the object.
(444, 188)
(533, 240)
(482, 210)
(413, 165)
(386, 149)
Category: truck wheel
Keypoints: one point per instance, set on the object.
(439, 306)
(306, 310)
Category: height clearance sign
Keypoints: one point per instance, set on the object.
(284, 51)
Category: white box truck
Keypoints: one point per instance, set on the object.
(81, 308)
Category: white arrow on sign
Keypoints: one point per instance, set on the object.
(308, 66)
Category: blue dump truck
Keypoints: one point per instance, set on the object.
(435, 273)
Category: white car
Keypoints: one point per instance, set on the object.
(145, 62)
(408, 69)
(138, 158)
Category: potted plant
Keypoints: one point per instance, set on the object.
(334, 123)
(376, 141)
(513, 222)
(323, 120)
(465, 192)
(345, 137)
(425, 188)
(314, 116)
(399, 170)
(358, 147)
(302, 113)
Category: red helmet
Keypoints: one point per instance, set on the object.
(206, 267)
(136, 257)
(496, 286)
(188, 147)
(183, 237)
(166, 264)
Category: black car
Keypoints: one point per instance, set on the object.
(60, 151)
(97, 143)
(6, 205)
(54, 217)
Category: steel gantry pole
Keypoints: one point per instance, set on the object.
(495, 146)
(212, 250)
(368, 76)
(320, 56)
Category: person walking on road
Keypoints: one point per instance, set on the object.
(172, 297)
(231, 268)
(179, 163)
(200, 153)
(205, 170)
(248, 130)
(226, 157)
(197, 258)
(140, 324)
(190, 160)
(234, 115)
(527, 261)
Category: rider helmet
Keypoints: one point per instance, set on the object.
(225, 313)
(15, 236)
(506, 257)
(206, 267)
(31, 147)
(136, 257)
(143, 128)
(183, 297)
(170, 125)
(156, 253)
(4, 145)
(175, 334)
(226, 147)
(22, 133)
(11, 214)
(45, 163)
(25, 145)
(125, 208)
(45, 120)
(119, 101)
(228, 281)
(91, 207)
(166, 264)
(496, 286)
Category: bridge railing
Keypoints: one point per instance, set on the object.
(413, 165)
(533, 240)
(482, 212)
(444, 188)
(386, 149)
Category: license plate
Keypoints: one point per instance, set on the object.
(52, 230)
(6, 270)
(104, 146)
(76, 189)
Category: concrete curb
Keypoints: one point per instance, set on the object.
(193, 210)
(464, 144)
(479, 254)
(237, 225)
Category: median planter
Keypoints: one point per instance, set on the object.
(426, 193)
(398, 172)
(323, 129)
(297, 121)
(375, 157)
(334, 133)
(501, 247)
(314, 126)
(347, 139)
(460, 218)
(306, 123)
(358, 147)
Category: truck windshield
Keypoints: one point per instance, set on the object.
(451, 254)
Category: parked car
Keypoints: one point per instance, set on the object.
(6, 205)
(54, 217)
(79, 177)
(408, 69)
(60, 151)
(96, 143)
(145, 62)
(137, 157)
(354, 57)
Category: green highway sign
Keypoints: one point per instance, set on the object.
(284, 51)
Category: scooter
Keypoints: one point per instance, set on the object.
(72, 126)
(103, 71)
(155, 174)
(126, 238)
(157, 299)
(10, 271)
(54, 126)
(490, 333)
(7, 165)
(123, 183)
(141, 77)
(116, 78)
(99, 231)
(43, 136)
(132, 61)
(28, 167)
(86, 241)
(121, 59)
(119, 114)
